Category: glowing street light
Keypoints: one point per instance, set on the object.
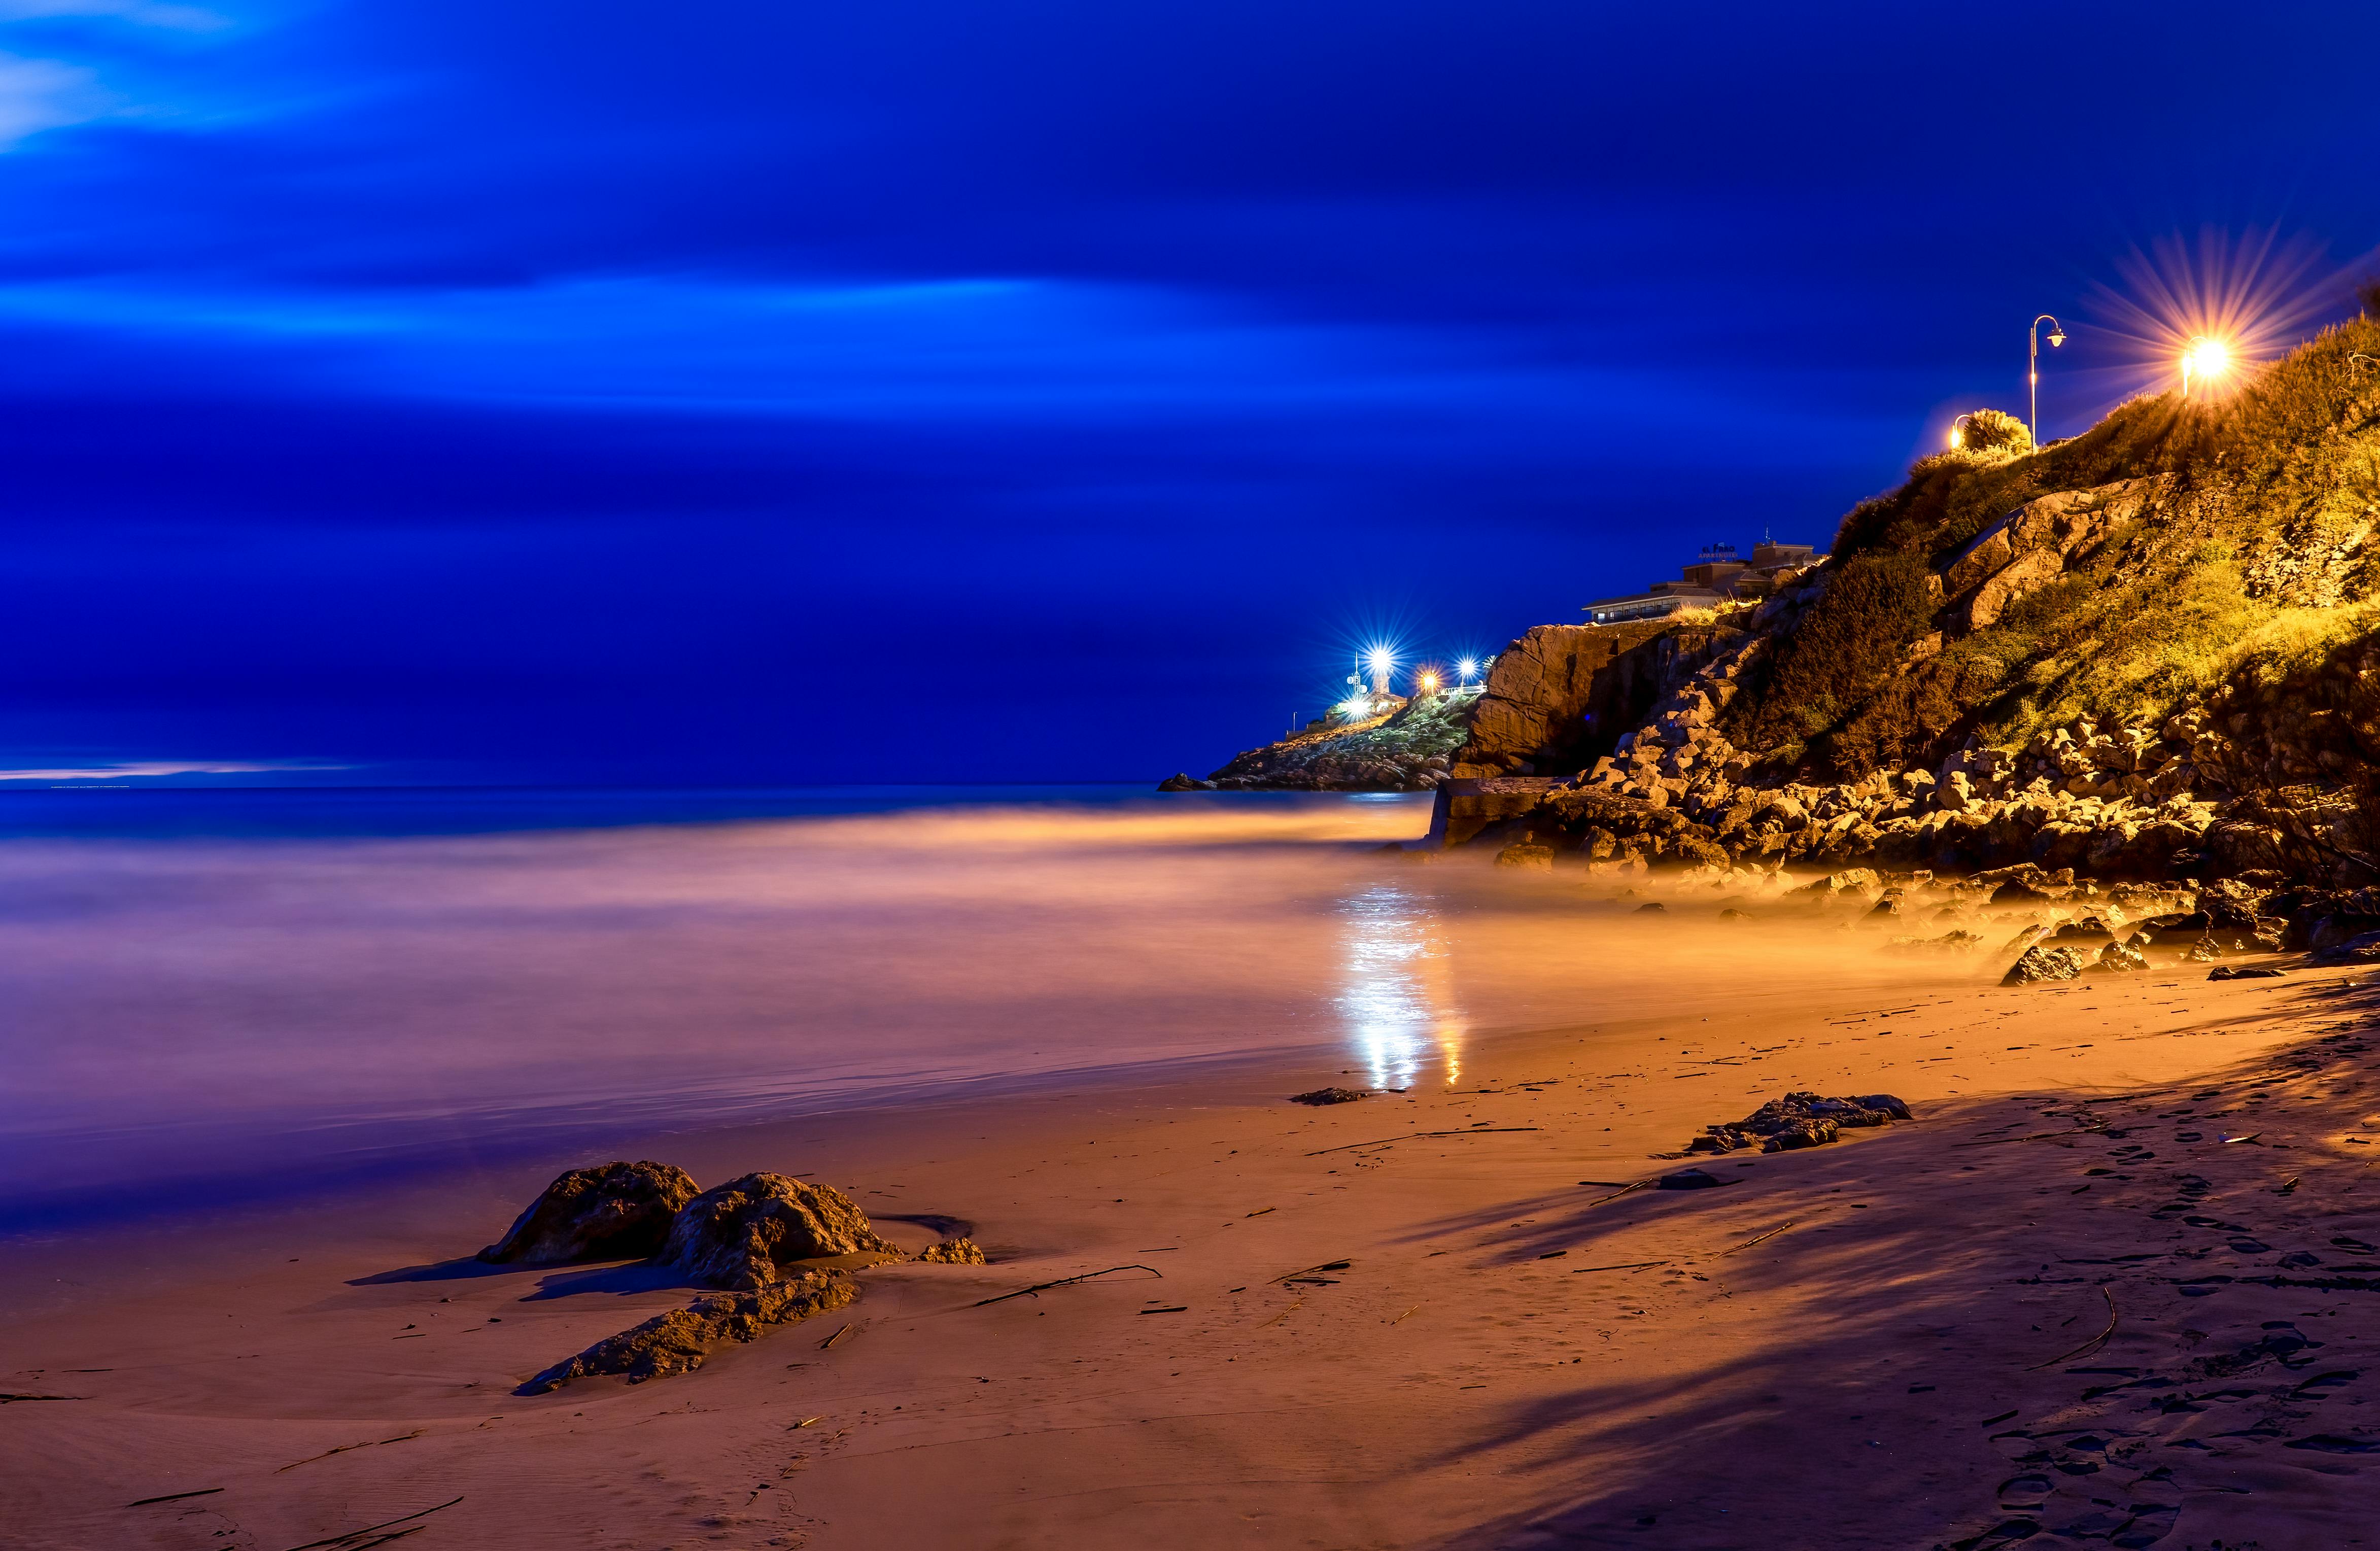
(1468, 668)
(1381, 661)
(1958, 431)
(2032, 370)
(1425, 681)
(2206, 358)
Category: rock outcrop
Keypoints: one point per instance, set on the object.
(614, 1211)
(683, 1339)
(953, 1251)
(750, 1232)
(1408, 748)
(1799, 1119)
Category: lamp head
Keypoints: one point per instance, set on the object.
(2057, 336)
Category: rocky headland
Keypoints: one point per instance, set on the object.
(2148, 654)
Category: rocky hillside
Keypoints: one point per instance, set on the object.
(2150, 651)
(1408, 748)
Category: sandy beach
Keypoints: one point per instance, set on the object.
(2104, 1288)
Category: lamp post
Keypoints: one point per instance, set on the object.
(2355, 355)
(1958, 432)
(2033, 369)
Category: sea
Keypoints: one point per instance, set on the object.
(243, 992)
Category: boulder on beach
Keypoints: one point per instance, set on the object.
(1328, 1095)
(2362, 948)
(2118, 958)
(614, 1211)
(953, 1251)
(2039, 964)
(747, 1233)
(1799, 1119)
(682, 1339)
(1693, 1179)
(2233, 972)
(1539, 859)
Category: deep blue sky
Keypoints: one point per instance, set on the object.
(779, 392)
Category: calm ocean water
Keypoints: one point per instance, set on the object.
(257, 991)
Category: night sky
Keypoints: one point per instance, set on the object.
(784, 392)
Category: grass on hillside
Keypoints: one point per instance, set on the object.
(2260, 555)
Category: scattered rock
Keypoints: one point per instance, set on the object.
(1539, 858)
(953, 1251)
(2234, 972)
(1949, 942)
(746, 1233)
(1799, 1119)
(615, 1211)
(2045, 963)
(1328, 1095)
(2120, 958)
(1693, 1179)
(1656, 907)
(682, 1339)
(2362, 949)
(1184, 781)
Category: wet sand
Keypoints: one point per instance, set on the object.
(1887, 1343)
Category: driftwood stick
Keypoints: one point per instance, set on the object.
(1631, 1265)
(1041, 1287)
(1761, 1238)
(1308, 1271)
(344, 1447)
(1616, 1194)
(367, 1529)
(1418, 1135)
(2088, 1346)
(175, 1496)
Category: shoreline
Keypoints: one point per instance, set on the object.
(1370, 1410)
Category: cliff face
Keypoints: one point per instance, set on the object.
(2147, 652)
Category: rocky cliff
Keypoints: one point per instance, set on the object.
(2152, 651)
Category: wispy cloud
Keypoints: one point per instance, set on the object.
(142, 13)
(154, 768)
(37, 94)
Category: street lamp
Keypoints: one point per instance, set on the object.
(1958, 431)
(1381, 661)
(2033, 369)
(1468, 668)
(2355, 355)
(2204, 358)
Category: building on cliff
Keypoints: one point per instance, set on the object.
(1717, 577)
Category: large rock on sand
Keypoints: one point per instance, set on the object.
(682, 1339)
(615, 1211)
(2045, 964)
(748, 1232)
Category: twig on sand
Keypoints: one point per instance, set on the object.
(1621, 1192)
(1284, 1313)
(828, 1344)
(1418, 1135)
(1631, 1265)
(1065, 1281)
(1759, 1238)
(343, 1447)
(1309, 1271)
(5, 1399)
(2088, 1346)
(369, 1529)
(174, 1497)
(2036, 1137)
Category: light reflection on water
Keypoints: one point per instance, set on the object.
(1396, 1002)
